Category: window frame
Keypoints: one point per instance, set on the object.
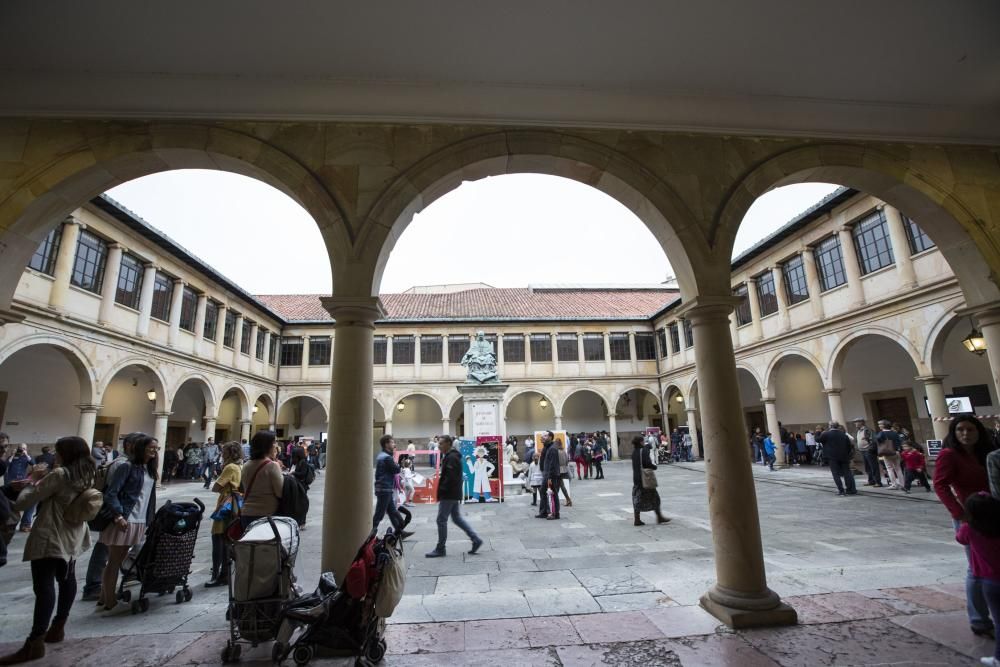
(404, 350)
(829, 257)
(540, 345)
(796, 285)
(320, 350)
(688, 334)
(593, 347)
(513, 348)
(615, 345)
(458, 345)
(89, 267)
(872, 243)
(744, 314)
(431, 349)
(245, 333)
(767, 293)
(163, 296)
(648, 346)
(261, 337)
(290, 358)
(47, 253)
(916, 237)
(229, 329)
(272, 353)
(661, 339)
(563, 343)
(131, 269)
(380, 350)
(211, 320)
(189, 308)
(674, 332)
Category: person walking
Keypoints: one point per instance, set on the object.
(449, 495)
(386, 470)
(981, 536)
(211, 454)
(768, 449)
(227, 485)
(564, 472)
(913, 460)
(838, 451)
(645, 498)
(535, 481)
(889, 446)
(597, 462)
(551, 480)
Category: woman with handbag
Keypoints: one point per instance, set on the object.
(59, 535)
(263, 480)
(227, 485)
(645, 497)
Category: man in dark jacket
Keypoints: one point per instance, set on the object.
(550, 477)
(386, 470)
(449, 495)
(838, 450)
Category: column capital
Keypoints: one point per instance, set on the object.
(180, 281)
(707, 308)
(89, 407)
(768, 400)
(162, 414)
(115, 245)
(354, 310)
(211, 418)
(832, 390)
(931, 379)
(246, 422)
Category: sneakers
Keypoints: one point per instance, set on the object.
(476, 543)
(552, 517)
(437, 553)
(990, 661)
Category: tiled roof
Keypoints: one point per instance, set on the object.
(517, 303)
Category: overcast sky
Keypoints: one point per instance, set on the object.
(528, 228)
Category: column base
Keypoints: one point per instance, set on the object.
(739, 612)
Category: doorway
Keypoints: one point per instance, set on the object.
(106, 431)
(176, 436)
(896, 409)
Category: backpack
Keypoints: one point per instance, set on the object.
(84, 507)
(294, 503)
(310, 474)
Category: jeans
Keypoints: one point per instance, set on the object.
(385, 503)
(991, 591)
(975, 598)
(843, 469)
(544, 501)
(599, 470)
(220, 560)
(26, 517)
(98, 559)
(451, 508)
(45, 573)
(207, 474)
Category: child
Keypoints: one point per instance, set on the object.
(407, 472)
(769, 451)
(981, 535)
(913, 459)
(535, 479)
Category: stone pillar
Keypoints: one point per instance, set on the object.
(900, 248)
(756, 327)
(160, 433)
(176, 299)
(220, 332)
(851, 267)
(146, 300)
(812, 283)
(112, 269)
(527, 355)
(444, 356)
(388, 358)
(558, 422)
(500, 358)
(305, 357)
(682, 342)
(836, 406)
(347, 499)
(446, 425)
(782, 295)
(88, 422)
(613, 435)
(63, 269)
(607, 351)
(989, 324)
(733, 332)
(254, 332)
(388, 421)
(416, 355)
(632, 356)
(740, 597)
(771, 416)
(555, 356)
(267, 351)
(579, 352)
(238, 340)
(210, 427)
(934, 388)
(199, 322)
(245, 425)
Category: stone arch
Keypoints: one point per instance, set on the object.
(936, 337)
(267, 400)
(285, 400)
(208, 392)
(529, 390)
(946, 211)
(418, 392)
(667, 391)
(97, 157)
(836, 361)
(76, 357)
(589, 390)
(543, 152)
(772, 367)
(753, 373)
(242, 396)
(159, 384)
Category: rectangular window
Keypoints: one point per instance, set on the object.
(189, 308)
(211, 320)
(163, 292)
(567, 348)
(492, 340)
(794, 273)
(291, 351)
(675, 338)
(919, 241)
(618, 341)
(541, 347)
(245, 337)
(229, 329)
(661, 336)
(431, 349)
(88, 265)
(261, 336)
(272, 354)
(513, 348)
(44, 259)
(766, 295)
(871, 241)
(688, 334)
(645, 346)
(319, 351)
(743, 313)
(830, 263)
(402, 350)
(458, 345)
(129, 281)
(380, 350)
(593, 347)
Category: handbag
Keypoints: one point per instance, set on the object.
(886, 449)
(102, 519)
(224, 512)
(648, 478)
(84, 507)
(235, 530)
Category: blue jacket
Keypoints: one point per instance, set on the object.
(17, 468)
(386, 470)
(123, 490)
(769, 446)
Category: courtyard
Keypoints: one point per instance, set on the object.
(881, 570)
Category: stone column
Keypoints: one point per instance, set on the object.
(199, 322)
(692, 423)
(771, 416)
(446, 425)
(682, 342)
(579, 352)
(500, 359)
(388, 358)
(555, 356)
(238, 340)
(146, 300)
(245, 425)
(632, 356)
(607, 351)
(63, 269)
(220, 332)
(812, 283)
(267, 352)
(210, 427)
(112, 269)
(740, 597)
(160, 433)
(254, 332)
(613, 435)
(527, 355)
(733, 332)
(416, 356)
(175, 312)
(558, 422)
(782, 295)
(900, 248)
(851, 267)
(756, 327)
(444, 356)
(934, 388)
(989, 324)
(836, 406)
(88, 422)
(347, 499)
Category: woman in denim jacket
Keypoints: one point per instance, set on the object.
(131, 495)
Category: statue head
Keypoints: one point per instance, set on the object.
(480, 335)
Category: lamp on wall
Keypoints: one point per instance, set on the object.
(543, 404)
(679, 398)
(255, 409)
(401, 406)
(975, 342)
(151, 395)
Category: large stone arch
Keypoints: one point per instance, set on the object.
(203, 383)
(937, 335)
(543, 152)
(775, 363)
(835, 363)
(417, 392)
(753, 374)
(159, 384)
(953, 212)
(578, 390)
(76, 357)
(242, 396)
(528, 390)
(301, 394)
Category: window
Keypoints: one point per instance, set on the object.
(661, 335)
(88, 266)
(645, 347)
(229, 330)
(245, 337)
(129, 281)
(567, 348)
(492, 340)
(675, 338)
(430, 349)
(458, 345)
(871, 241)
(619, 347)
(380, 350)
(189, 308)
(541, 347)
(593, 347)
(513, 348)
(830, 264)
(919, 241)
(261, 335)
(163, 291)
(291, 351)
(211, 320)
(44, 259)
(319, 351)
(272, 354)
(688, 334)
(743, 313)
(766, 295)
(402, 350)
(794, 274)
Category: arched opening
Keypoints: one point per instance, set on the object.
(304, 416)
(528, 411)
(751, 400)
(133, 393)
(795, 383)
(192, 403)
(262, 413)
(416, 418)
(456, 417)
(584, 411)
(675, 407)
(233, 420)
(963, 374)
(636, 410)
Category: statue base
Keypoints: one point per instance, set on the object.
(483, 404)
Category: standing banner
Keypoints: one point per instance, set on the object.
(467, 448)
(494, 464)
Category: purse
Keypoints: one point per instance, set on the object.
(102, 519)
(886, 449)
(648, 478)
(235, 530)
(224, 512)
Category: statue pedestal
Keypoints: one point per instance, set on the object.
(482, 409)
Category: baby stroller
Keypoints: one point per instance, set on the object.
(164, 561)
(348, 621)
(261, 581)
(663, 454)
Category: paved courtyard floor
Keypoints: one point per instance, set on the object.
(876, 580)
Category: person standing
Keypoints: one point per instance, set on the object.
(386, 470)
(913, 459)
(564, 472)
(644, 499)
(261, 496)
(227, 485)
(211, 454)
(838, 451)
(550, 478)
(889, 445)
(768, 447)
(19, 469)
(981, 536)
(449, 495)
(865, 439)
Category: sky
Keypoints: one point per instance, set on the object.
(522, 229)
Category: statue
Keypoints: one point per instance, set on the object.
(481, 361)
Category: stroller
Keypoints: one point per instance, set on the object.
(345, 621)
(164, 561)
(261, 581)
(663, 454)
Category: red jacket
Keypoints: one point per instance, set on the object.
(913, 459)
(957, 476)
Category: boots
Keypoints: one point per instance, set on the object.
(661, 519)
(57, 631)
(33, 649)
(638, 521)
